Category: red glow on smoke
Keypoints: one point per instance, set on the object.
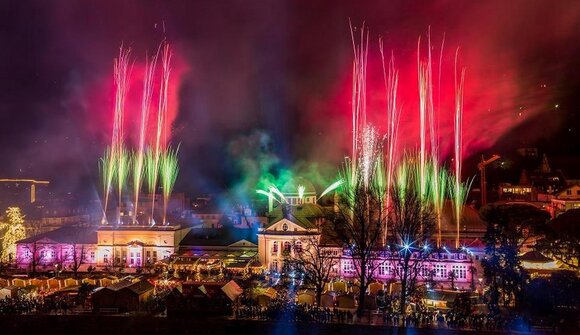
(100, 96)
(496, 99)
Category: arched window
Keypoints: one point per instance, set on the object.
(285, 227)
(275, 247)
(298, 246)
(287, 246)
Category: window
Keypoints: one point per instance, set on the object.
(275, 247)
(154, 256)
(384, 269)
(460, 271)
(92, 253)
(287, 246)
(285, 227)
(298, 246)
(348, 267)
(105, 259)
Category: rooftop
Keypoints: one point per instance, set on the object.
(218, 237)
(67, 235)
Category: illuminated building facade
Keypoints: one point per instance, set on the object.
(566, 199)
(135, 246)
(129, 247)
(291, 227)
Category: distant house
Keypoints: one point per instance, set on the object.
(8, 292)
(216, 248)
(537, 264)
(127, 246)
(66, 246)
(292, 225)
(538, 184)
(566, 199)
(124, 296)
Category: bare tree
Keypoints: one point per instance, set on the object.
(472, 271)
(316, 262)
(77, 257)
(561, 239)
(34, 256)
(411, 222)
(452, 275)
(360, 220)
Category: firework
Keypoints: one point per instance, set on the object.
(111, 160)
(142, 163)
(168, 170)
(331, 188)
(107, 171)
(424, 88)
(274, 190)
(359, 101)
(123, 165)
(161, 131)
(301, 190)
(370, 150)
(391, 78)
(459, 192)
(139, 156)
(438, 191)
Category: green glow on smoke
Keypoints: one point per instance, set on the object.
(168, 170)
(107, 170)
(123, 167)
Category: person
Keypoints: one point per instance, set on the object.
(381, 300)
(440, 319)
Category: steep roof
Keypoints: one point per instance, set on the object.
(303, 215)
(470, 221)
(218, 236)
(140, 287)
(67, 235)
(535, 257)
(120, 285)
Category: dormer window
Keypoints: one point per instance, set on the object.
(285, 227)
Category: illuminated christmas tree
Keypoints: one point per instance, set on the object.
(13, 231)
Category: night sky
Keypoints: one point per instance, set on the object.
(268, 82)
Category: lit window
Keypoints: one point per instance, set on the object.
(298, 246)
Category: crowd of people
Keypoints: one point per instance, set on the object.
(36, 305)
(276, 311)
(289, 311)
